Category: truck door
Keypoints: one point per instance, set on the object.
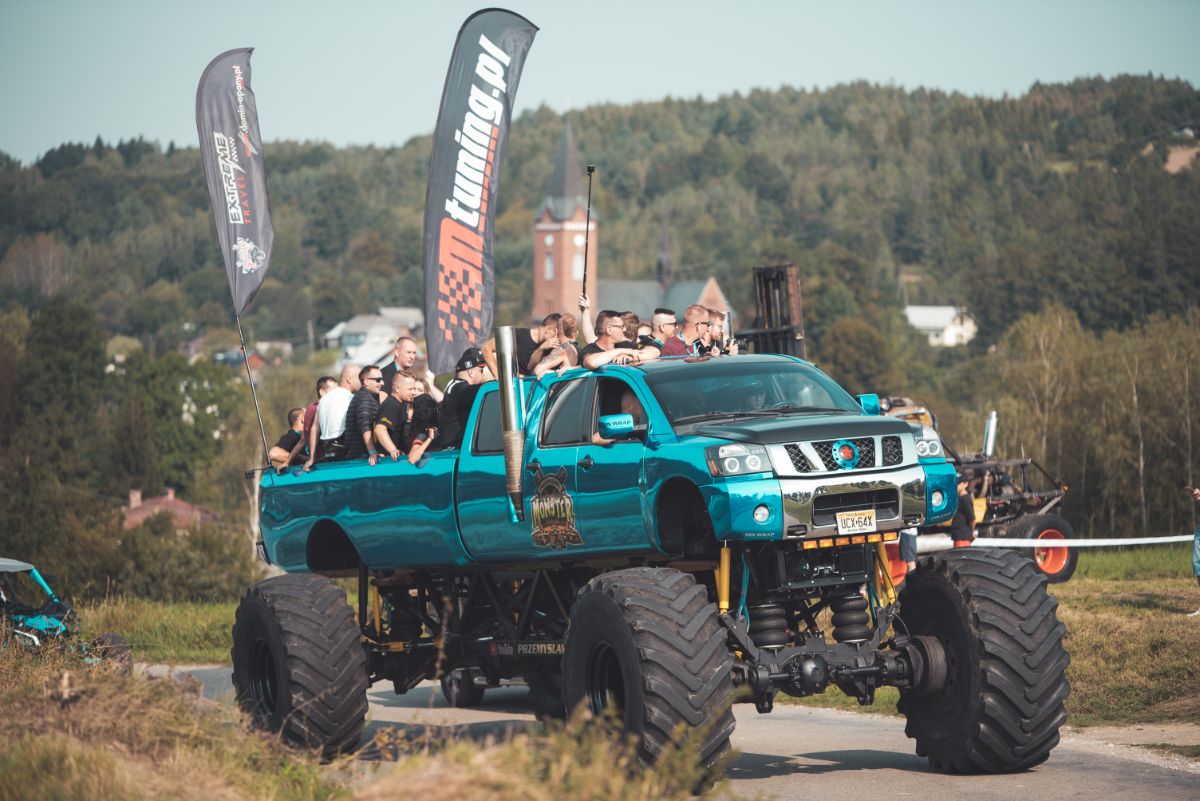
(548, 485)
(483, 517)
(610, 478)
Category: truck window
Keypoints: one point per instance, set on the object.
(488, 438)
(568, 417)
(617, 397)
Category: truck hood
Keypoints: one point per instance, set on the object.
(799, 427)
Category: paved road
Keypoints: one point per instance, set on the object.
(798, 752)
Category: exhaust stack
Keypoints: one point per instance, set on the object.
(511, 419)
(989, 434)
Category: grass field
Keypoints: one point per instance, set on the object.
(1132, 647)
(71, 731)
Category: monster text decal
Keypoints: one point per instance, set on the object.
(468, 149)
(553, 512)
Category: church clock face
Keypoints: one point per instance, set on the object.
(578, 240)
(549, 240)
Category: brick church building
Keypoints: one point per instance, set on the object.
(558, 254)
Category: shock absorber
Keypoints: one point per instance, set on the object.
(851, 623)
(768, 625)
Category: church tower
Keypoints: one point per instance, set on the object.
(558, 231)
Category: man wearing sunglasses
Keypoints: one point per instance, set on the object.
(611, 345)
(360, 416)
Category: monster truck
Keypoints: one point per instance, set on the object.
(659, 541)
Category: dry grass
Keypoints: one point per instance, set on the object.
(1133, 650)
(582, 761)
(70, 732)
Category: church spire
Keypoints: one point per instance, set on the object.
(565, 192)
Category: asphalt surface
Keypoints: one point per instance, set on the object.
(801, 752)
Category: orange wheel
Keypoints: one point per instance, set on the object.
(1051, 560)
(1057, 564)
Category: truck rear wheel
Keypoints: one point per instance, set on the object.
(298, 664)
(1057, 563)
(1003, 699)
(647, 642)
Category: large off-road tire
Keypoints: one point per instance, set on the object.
(299, 667)
(1002, 703)
(1057, 563)
(460, 690)
(647, 642)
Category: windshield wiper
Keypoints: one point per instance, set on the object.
(774, 412)
(692, 418)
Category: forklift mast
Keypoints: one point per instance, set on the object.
(778, 325)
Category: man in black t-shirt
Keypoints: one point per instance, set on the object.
(281, 454)
(359, 436)
(611, 345)
(460, 395)
(532, 344)
(393, 415)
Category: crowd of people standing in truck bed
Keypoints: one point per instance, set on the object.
(391, 413)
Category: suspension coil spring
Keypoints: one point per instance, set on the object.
(851, 623)
(768, 625)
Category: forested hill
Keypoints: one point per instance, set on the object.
(1002, 205)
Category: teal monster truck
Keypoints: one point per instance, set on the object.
(659, 540)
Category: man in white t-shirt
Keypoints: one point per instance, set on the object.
(327, 428)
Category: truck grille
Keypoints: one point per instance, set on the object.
(893, 451)
(866, 453)
(798, 459)
(885, 502)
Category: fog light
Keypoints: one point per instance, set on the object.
(761, 514)
(938, 499)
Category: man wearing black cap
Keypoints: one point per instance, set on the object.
(460, 395)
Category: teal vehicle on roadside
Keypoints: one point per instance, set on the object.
(657, 538)
(35, 616)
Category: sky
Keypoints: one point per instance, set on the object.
(371, 72)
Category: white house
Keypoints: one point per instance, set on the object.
(946, 326)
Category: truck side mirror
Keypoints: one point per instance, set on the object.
(869, 403)
(616, 426)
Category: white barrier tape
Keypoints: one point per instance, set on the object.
(1112, 542)
(928, 543)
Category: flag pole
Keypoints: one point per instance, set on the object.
(587, 226)
(253, 391)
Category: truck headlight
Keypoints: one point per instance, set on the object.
(736, 459)
(928, 443)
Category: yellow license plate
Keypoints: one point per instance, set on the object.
(856, 522)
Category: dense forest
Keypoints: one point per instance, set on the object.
(1051, 217)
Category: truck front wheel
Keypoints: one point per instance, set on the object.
(1002, 703)
(298, 664)
(646, 643)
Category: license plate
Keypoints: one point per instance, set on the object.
(856, 522)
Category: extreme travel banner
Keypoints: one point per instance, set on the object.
(468, 149)
(231, 148)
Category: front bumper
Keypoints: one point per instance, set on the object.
(898, 496)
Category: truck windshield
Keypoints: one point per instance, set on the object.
(736, 387)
